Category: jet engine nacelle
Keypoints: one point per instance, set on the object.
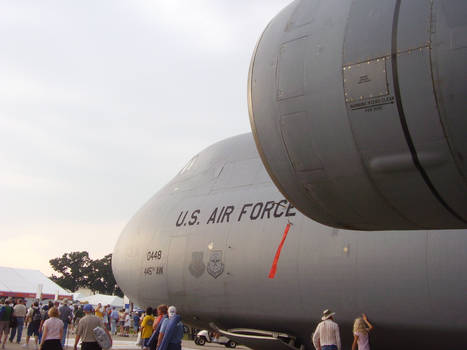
(359, 114)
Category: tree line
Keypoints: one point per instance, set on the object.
(77, 270)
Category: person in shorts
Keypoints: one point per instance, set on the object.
(34, 318)
(146, 327)
(6, 312)
(126, 326)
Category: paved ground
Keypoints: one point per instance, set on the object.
(120, 343)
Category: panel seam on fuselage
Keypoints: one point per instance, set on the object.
(403, 119)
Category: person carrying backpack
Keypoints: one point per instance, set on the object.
(34, 316)
(6, 311)
(44, 316)
(78, 315)
(171, 331)
(66, 315)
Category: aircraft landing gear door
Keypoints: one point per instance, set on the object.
(175, 269)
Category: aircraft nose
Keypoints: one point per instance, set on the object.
(139, 260)
(126, 261)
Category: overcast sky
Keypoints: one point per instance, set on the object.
(103, 102)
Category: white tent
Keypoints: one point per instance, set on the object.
(25, 283)
(95, 299)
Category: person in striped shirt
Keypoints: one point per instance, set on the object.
(326, 335)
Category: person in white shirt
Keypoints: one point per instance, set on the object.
(326, 335)
(19, 311)
(126, 326)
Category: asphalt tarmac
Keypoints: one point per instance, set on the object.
(120, 343)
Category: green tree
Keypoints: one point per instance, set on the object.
(102, 279)
(77, 270)
(74, 269)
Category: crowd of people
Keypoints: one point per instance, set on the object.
(49, 324)
(155, 328)
(117, 321)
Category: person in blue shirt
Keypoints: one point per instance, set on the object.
(136, 317)
(175, 342)
(113, 321)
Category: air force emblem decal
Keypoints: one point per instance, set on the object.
(215, 265)
(197, 266)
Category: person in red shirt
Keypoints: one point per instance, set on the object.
(161, 312)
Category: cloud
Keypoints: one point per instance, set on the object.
(12, 13)
(208, 26)
(33, 244)
(17, 87)
(29, 146)
(18, 181)
(200, 23)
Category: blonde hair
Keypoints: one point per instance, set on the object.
(359, 326)
(53, 312)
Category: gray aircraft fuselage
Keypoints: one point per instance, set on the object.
(206, 241)
(358, 114)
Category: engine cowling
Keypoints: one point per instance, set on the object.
(358, 111)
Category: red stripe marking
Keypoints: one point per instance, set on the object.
(32, 295)
(272, 273)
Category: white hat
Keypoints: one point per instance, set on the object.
(172, 311)
(326, 314)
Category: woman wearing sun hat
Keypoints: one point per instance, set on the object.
(326, 335)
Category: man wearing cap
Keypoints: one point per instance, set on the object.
(85, 330)
(326, 336)
(175, 341)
